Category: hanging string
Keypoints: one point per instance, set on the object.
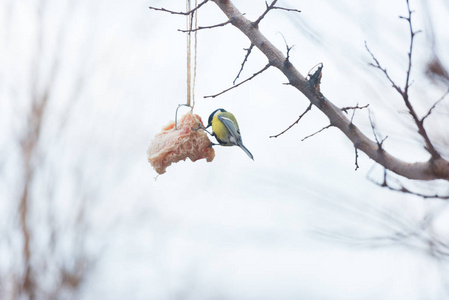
(191, 82)
(194, 54)
(188, 52)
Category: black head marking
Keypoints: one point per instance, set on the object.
(209, 123)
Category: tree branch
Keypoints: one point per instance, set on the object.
(373, 128)
(287, 9)
(345, 109)
(433, 106)
(315, 133)
(412, 38)
(402, 189)
(248, 52)
(296, 122)
(270, 7)
(181, 12)
(404, 92)
(356, 159)
(234, 86)
(435, 168)
(378, 66)
(206, 27)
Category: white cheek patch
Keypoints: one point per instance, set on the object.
(216, 113)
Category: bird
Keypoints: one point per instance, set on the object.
(226, 129)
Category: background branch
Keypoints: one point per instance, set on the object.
(404, 92)
(433, 106)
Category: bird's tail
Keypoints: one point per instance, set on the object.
(246, 150)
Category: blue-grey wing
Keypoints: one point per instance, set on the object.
(232, 128)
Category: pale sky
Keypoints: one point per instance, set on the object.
(233, 228)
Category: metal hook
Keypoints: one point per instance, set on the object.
(176, 114)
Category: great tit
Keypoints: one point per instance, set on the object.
(226, 129)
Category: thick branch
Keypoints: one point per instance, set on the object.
(433, 169)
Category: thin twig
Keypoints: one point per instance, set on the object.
(179, 13)
(288, 49)
(286, 9)
(309, 136)
(352, 117)
(296, 122)
(373, 127)
(378, 66)
(269, 7)
(345, 109)
(356, 159)
(434, 105)
(246, 80)
(248, 52)
(403, 189)
(206, 27)
(412, 38)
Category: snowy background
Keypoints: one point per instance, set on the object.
(296, 223)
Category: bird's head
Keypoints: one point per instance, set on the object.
(212, 115)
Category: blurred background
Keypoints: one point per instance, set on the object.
(86, 85)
